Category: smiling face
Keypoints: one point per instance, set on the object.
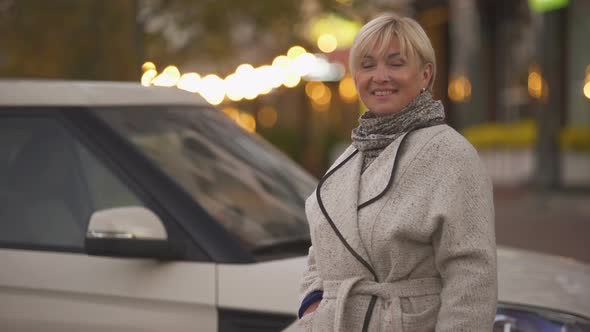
(388, 82)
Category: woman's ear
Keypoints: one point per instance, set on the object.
(427, 73)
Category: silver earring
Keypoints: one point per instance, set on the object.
(422, 90)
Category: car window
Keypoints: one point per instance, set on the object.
(51, 184)
(254, 191)
(513, 318)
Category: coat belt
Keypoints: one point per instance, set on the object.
(393, 291)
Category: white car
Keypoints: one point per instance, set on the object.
(126, 208)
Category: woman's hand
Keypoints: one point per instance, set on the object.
(312, 307)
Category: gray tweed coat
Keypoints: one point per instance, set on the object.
(429, 239)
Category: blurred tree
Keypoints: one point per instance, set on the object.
(83, 39)
(97, 39)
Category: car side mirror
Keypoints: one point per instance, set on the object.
(131, 231)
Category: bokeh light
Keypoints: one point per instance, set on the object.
(295, 51)
(535, 82)
(459, 89)
(304, 63)
(189, 82)
(232, 113)
(587, 90)
(319, 94)
(247, 122)
(267, 116)
(148, 76)
(148, 66)
(347, 89)
(291, 80)
(327, 43)
(168, 78)
(213, 89)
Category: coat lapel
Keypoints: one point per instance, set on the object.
(377, 176)
(339, 193)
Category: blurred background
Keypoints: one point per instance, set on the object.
(514, 76)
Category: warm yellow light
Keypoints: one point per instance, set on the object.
(587, 90)
(247, 122)
(320, 95)
(265, 79)
(148, 76)
(322, 104)
(309, 87)
(304, 63)
(291, 80)
(244, 68)
(232, 113)
(327, 43)
(535, 82)
(267, 116)
(344, 2)
(459, 89)
(233, 87)
(315, 89)
(169, 77)
(213, 89)
(189, 82)
(295, 51)
(148, 66)
(347, 89)
(276, 76)
(281, 62)
(325, 98)
(344, 30)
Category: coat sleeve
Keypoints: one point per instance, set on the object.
(310, 281)
(464, 243)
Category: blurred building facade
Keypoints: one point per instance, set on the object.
(514, 81)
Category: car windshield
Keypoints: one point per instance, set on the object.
(252, 189)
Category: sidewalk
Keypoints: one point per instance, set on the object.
(556, 223)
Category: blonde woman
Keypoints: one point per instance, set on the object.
(402, 225)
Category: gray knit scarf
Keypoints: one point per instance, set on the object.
(375, 132)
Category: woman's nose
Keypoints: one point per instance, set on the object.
(381, 75)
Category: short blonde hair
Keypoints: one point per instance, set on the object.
(381, 30)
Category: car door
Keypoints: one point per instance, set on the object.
(52, 181)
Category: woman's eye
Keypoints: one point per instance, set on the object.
(366, 65)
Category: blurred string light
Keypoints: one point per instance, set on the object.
(168, 78)
(586, 88)
(248, 82)
(213, 89)
(537, 86)
(459, 89)
(148, 76)
(190, 82)
(148, 66)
